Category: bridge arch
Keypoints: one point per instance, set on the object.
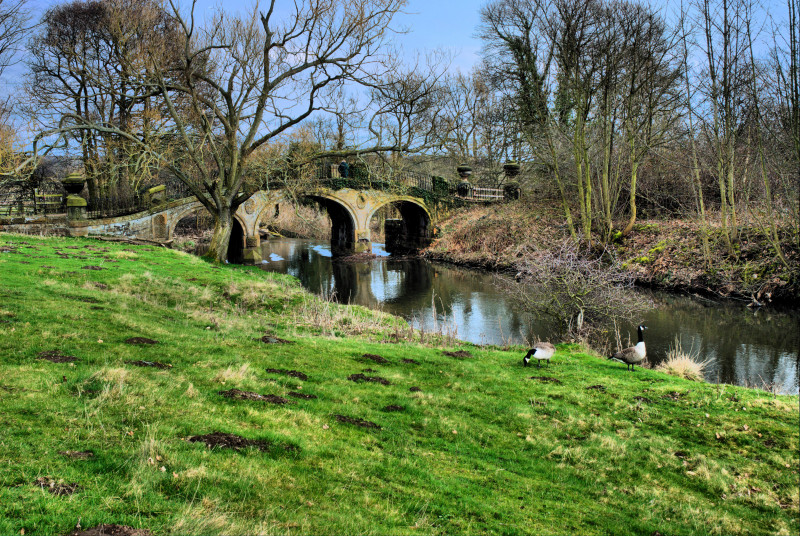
(412, 232)
(344, 222)
(237, 243)
(177, 216)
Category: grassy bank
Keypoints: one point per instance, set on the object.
(661, 253)
(117, 361)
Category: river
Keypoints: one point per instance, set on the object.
(748, 347)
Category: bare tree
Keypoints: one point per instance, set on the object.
(243, 82)
(14, 16)
(87, 61)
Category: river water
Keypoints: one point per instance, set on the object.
(755, 348)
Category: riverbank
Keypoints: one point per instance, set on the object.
(664, 254)
(120, 363)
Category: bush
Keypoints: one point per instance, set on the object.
(582, 295)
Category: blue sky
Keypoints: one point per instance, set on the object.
(449, 24)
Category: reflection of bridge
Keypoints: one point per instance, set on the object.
(350, 212)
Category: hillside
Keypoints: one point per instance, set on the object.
(121, 364)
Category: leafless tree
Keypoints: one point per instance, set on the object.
(14, 16)
(243, 82)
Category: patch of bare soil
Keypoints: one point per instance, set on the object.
(270, 339)
(547, 379)
(410, 361)
(643, 399)
(154, 364)
(372, 379)
(601, 388)
(77, 454)
(140, 340)
(56, 488)
(230, 441)
(293, 373)
(55, 356)
(674, 395)
(393, 407)
(101, 286)
(248, 395)
(460, 354)
(302, 396)
(92, 268)
(376, 358)
(356, 421)
(414, 389)
(111, 530)
(681, 454)
(85, 299)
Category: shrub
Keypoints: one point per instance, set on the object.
(583, 295)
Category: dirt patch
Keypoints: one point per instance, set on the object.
(140, 340)
(393, 407)
(643, 399)
(101, 286)
(546, 379)
(247, 395)
(376, 358)
(230, 441)
(111, 530)
(601, 388)
(674, 395)
(77, 454)
(293, 373)
(410, 361)
(302, 396)
(92, 268)
(414, 389)
(154, 364)
(269, 339)
(55, 356)
(681, 454)
(85, 299)
(56, 488)
(356, 421)
(369, 370)
(373, 379)
(460, 354)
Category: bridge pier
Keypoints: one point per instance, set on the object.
(252, 250)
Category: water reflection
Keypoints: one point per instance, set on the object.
(747, 347)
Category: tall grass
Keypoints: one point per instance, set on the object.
(684, 363)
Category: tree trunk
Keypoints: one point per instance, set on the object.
(220, 240)
(632, 202)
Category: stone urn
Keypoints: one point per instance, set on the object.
(73, 183)
(464, 188)
(511, 169)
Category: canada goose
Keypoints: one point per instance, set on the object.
(540, 351)
(633, 354)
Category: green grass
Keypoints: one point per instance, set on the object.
(480, 449)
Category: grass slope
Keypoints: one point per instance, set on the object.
(480, 448)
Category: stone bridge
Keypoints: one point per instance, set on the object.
(350, 212)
